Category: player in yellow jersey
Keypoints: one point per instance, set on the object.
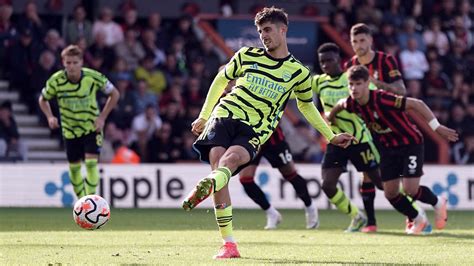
(75, 88)
(330, 87)
(232, 129)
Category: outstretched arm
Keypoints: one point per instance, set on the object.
(314, 118)
(397, 87)
(215, 92)
(421, 108)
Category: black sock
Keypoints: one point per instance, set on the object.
(367, 191)
(403, 205)
(256, 194)
(299, 184)
(425, 195)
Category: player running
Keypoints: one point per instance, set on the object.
(330, 87)
(401, 145)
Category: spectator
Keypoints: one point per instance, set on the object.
(8, 32)
(130, 49)
(143, 97)
(187, 151)
(154, 23)
(22, 56)
(99, 56)
(339, 22)
(161, 148)
(414, 63)
(466, 12)
(131, 21)
(386, 36)
(31, 21)
(438, 87)
(184, 32)
(463, 151)
(124, 155)
(395, 14)
(435, 37)
(414, 89)
(459, 33)
(120, 70)
(12, 146)
(113, 32)
(409, 31)
(151, 49)
(144, 127)
(54, 43)
(456, 58)
(78, 27)
(154, 77)
(126, 109)
(46, 66)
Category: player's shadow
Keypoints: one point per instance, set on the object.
(434, 234)
(295, 261)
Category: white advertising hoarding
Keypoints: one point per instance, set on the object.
(165, 186)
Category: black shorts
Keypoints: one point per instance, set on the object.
(78, 147)
(277, 153)
(364, 157)
(226, 132)
(404, 161)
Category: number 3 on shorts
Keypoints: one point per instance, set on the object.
(413, 164)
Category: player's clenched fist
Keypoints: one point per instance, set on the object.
(343, 140)
(198, 126)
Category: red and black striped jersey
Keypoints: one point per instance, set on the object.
(383, 67)
(276, 137)
(385, 116)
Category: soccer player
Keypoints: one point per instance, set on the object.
(330, 87)
(232, 130)
(278, 154)
(383, 68)
(401, 145)
(75, 89)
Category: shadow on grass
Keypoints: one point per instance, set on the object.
(432, 235)
(295, 261)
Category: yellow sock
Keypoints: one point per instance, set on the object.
(224, 221)
(343, 204)
(92, 179)
(222, 176)
(76, 179)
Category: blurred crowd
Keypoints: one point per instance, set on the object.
(163, 70)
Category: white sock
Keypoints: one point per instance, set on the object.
(439, 203)
(271, 210)
(229, 239)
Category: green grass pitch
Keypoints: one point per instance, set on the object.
(174, 237)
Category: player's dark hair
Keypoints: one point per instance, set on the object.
(358, 72)
(71, 50)
(329, 47)
(272, 15)
(360, 28)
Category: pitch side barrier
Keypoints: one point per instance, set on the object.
(165, 185)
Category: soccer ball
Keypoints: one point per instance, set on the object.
(91, 212)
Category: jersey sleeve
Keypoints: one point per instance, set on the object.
(304, 98)
(49, 91)
(391, 71)
(315, 84)
(392, 101)
(103, 82)
(233, 69)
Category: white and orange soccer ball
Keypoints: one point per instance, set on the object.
(91, 212)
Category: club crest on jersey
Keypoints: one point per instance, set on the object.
(286, 76)
(376, 74)
(211, 135)
(376, 115)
